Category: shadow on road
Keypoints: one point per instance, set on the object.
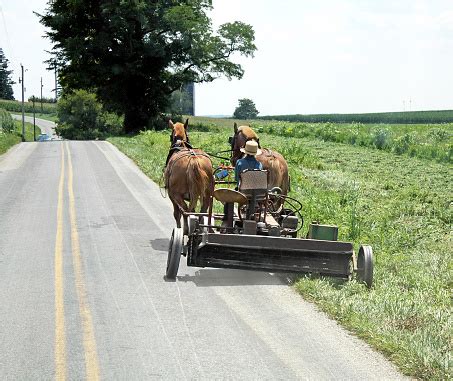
(226, 277)
(160, 244)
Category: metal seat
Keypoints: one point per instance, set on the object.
(226, 195)
(253, 184)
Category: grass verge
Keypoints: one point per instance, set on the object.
(401, 205)
(8, 140)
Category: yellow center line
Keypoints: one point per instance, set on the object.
(60, 345)
(89, 341)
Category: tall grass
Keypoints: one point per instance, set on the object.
(401, 205)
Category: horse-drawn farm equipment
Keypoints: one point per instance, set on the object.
(254, 235)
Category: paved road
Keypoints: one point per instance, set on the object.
(83, 239)
(47, 127)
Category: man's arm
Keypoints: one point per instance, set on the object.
(237, 170)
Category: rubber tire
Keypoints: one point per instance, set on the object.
(365, 265)
(174, 253)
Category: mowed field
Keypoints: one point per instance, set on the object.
(400, 201)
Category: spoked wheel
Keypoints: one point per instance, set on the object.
(174, 253)
(365, 265)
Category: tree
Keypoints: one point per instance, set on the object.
(134, 54)
(246, 109)
(6, 90)
(180, 103)
(81, 117)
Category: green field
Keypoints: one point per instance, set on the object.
(427, 141)
(16, 107)
(435, 116)
(401, 205)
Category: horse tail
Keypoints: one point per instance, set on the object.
(199, 181)
(286, 184)
(278, 172)
(273, 172)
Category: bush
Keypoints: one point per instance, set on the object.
(402, 144)
(6, 122)
(382, 138)
(82, 117)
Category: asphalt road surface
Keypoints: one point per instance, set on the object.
(83, 241)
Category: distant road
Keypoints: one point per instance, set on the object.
(47, 127)
(83, 251)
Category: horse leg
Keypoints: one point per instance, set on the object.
(178, 204)
(176, 214)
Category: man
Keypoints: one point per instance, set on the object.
(249, 161)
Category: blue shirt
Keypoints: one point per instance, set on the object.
(248, 162)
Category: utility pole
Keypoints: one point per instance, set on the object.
(42, 111)
(34, 119)
(56, 91)
(21, 80)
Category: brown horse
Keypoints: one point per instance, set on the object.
(188, 174)
(271, 160)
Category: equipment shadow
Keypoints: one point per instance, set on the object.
(232, 277)
(160, 244)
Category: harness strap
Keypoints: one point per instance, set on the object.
(190, 152)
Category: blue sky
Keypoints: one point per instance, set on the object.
(320, 56)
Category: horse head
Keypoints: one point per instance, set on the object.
(179, 135)
(241, 136)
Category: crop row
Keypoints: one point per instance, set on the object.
(417, 117)
(15, 106)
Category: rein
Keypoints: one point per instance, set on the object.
(220, 157)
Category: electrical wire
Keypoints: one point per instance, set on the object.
(6, 31)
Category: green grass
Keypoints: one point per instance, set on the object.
(427, 141)
(9, 140)
(401, 205)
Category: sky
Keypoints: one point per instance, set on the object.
(314, 56)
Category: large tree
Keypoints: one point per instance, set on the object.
(135, 53)
(246, 109)
(6, 90)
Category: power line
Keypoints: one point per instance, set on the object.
(6, 31)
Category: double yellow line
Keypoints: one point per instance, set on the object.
(89, 342)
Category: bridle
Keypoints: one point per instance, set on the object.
(178, 141)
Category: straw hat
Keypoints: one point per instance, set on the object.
(251, 148)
